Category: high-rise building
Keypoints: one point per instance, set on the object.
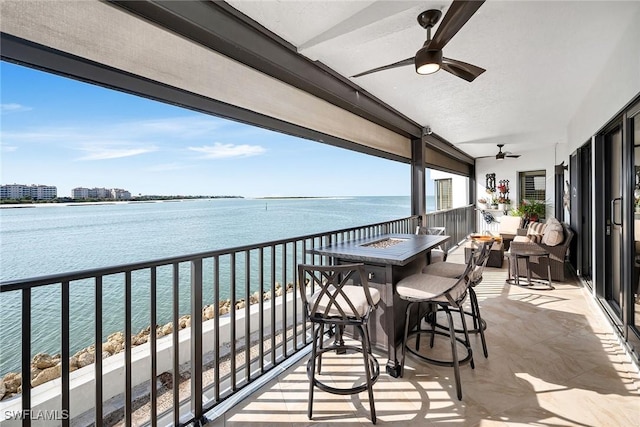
(35, 192)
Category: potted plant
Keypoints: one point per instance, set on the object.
(532, 210)
(494, 203)
(504, 203)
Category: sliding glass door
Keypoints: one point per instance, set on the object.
(613, 202)
(633, 298)
(617, 223)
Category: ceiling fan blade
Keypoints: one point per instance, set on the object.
(408, 61)
(515, 156)
(458, 14)
(461, 69)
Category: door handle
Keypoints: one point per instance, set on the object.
(613, 211)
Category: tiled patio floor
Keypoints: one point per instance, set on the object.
(553, 361)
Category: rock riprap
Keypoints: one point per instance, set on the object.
(46, 367)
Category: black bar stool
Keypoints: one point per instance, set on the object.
(454, 271)
(444, 293)
(336, 302)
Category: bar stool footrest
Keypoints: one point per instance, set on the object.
(375, 370)
(462, 361)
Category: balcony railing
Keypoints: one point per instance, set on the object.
(234, 315)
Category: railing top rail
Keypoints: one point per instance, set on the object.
(12, 285)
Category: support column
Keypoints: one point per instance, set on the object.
(418, 196)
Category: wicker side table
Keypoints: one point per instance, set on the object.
(514, 255)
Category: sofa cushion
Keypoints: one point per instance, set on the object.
(510, 224)
(553, 233)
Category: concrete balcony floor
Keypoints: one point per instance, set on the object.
(553, 361)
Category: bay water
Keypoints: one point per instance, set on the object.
(50, 239)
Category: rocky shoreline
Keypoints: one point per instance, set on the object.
(45, 367)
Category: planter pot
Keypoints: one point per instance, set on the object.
(504, 206)
(494, 206)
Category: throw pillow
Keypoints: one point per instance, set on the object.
(536, 228)
(535, 238)
(553, 233)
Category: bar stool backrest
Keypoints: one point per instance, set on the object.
(338, 294)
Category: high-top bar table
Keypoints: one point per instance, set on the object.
(388, 259)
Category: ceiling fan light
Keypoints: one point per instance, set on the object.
(428, 61)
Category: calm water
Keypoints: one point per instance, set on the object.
(59, 239)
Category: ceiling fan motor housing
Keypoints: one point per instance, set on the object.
(429, 58)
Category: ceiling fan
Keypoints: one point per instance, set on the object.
(429, 58)
(501, 155)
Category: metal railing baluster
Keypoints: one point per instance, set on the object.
(261, 309)
(273, 305)
(176, 344)
(26, 357)
(196, 339)
(234, 385)
(153, 348)
(294, 292)
(284, 300)
(247, 316)
(98, 338)
(128, 397)
(216, 326)
(64, 354)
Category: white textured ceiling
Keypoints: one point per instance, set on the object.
(541, 57)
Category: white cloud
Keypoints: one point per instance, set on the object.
(224, 151)
(105, 152)
(13, 108)
(8, 148)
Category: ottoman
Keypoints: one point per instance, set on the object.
(496, 255)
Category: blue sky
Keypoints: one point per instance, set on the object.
(62, 132)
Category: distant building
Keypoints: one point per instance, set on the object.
(35, 192)
(120, 194)
(80, 193)
(100, 193)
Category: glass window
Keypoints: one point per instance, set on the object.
(444, 194)
(533, 185)
(445, 190)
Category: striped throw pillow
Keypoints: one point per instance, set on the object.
(536, 228)
(535, 238)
